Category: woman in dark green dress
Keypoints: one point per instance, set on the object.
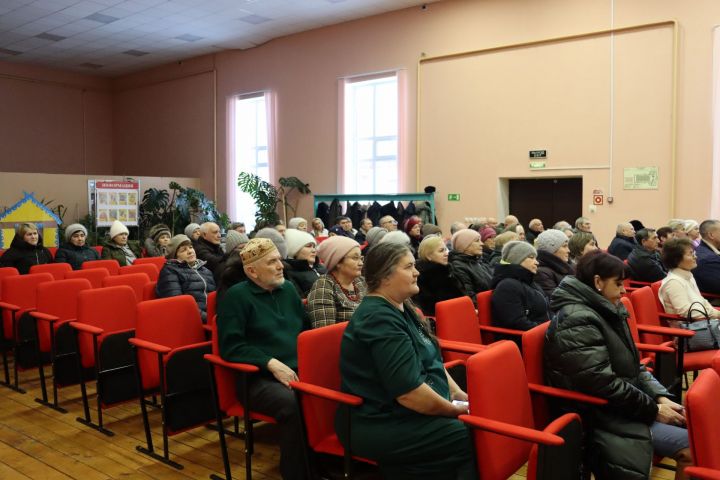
(407, 422)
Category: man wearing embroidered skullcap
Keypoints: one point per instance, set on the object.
(258, 323)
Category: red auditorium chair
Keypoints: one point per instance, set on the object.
(57, 270)
(319, 386)
(703, 418)
(211, 308)
(55, 307)
(7, 272)
(457, 328)
(652, 331)
(169, 345)
(149, 292)
(484, 314)
(224, 377)
(94, 275)
(148, 269)
(53, 252)
(106, 319)
(18, 298)
(159, 262)
(136, 281)
(505, 433)
(113, 267)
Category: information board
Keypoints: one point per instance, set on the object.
(116, 200)
(640, 178)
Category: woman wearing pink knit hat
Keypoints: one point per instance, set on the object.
(335, 296)
(466, 264)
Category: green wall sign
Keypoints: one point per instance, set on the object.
(453, 197)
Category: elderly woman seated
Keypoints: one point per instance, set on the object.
(184, 274)
(335, 296)
(301, 265)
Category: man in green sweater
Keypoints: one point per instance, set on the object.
(258, 323)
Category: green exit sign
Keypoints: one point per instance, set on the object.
(535, 165)
(453, 197)
(538, 153)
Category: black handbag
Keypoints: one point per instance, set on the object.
(707, 331)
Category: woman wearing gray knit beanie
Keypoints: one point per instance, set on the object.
(75, 250)
(554, 256)
(516, 302)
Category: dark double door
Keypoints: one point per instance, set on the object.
(549, 199)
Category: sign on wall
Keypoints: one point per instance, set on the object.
(640, 178)
(116, 200)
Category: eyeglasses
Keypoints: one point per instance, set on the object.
(356, 258)
(394, 222)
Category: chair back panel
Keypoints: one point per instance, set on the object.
(58, 298)
(159, 262)
(211, 308)
(113, 309)
(484, 314)
(226, 380)
(20, 290)
(498, 390)
(533, 345)
(149, 292)
(632, 323)
(94, 275)
(136, 281)
(703, 419)
(172, 322)
(57, 270)
(148, 268)
(319, 364)
(646, 312)
(7, 272)
(112, 265)
(456, 320)
(656, 293)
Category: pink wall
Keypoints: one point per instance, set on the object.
(54, 122)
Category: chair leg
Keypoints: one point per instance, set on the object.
(220, 428)
(87, 421)
(54, 405)
(16, 384)
(41, 368)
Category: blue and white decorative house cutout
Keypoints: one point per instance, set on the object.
(30, 210)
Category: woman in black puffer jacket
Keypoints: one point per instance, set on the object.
(466, 265)
(516, 302)
(184, 274)
(75, 251)
(554, 258)
(589, 349)
(436, 281)
(301, 265)
(26, 250)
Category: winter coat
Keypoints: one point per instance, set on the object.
(112, 251)
(551, 272)
(209, 252)
(390, 209)
(621, 246)
(22, 255)
(589, 349)
(322, 212)
(472, 276)
(230, 274)
(436, 283)
(373, 213)
(152, 249)
(531, 235)
(707, 272)
(302, 275)
(75, 256)
(422, 210)
(646, 266)
(179, 278)
(516, 301)
(491, 257)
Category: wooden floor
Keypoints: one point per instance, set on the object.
(39, 443)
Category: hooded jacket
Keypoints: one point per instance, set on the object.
(646, 266)
(589, 349)
(551, 272)
(437, 283)
(516, 301)
(179, 278)
(113, 251)
(472, 275)
(302, 275)
(22, 255)
(76, 256)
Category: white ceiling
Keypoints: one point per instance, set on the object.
(115, 37)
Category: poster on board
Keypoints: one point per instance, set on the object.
(640, 178)
(116, 200)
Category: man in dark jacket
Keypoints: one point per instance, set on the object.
(208, 246)
(644, 260)
(707, 272)
(589, 349)
(535, 228)
(624, 241)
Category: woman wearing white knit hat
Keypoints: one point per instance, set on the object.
(301, 265)
(118, 247)
(554, 256)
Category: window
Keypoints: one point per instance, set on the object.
(370, 137)
(250, 149)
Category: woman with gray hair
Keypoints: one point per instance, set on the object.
(298, 223)
(389, 357)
